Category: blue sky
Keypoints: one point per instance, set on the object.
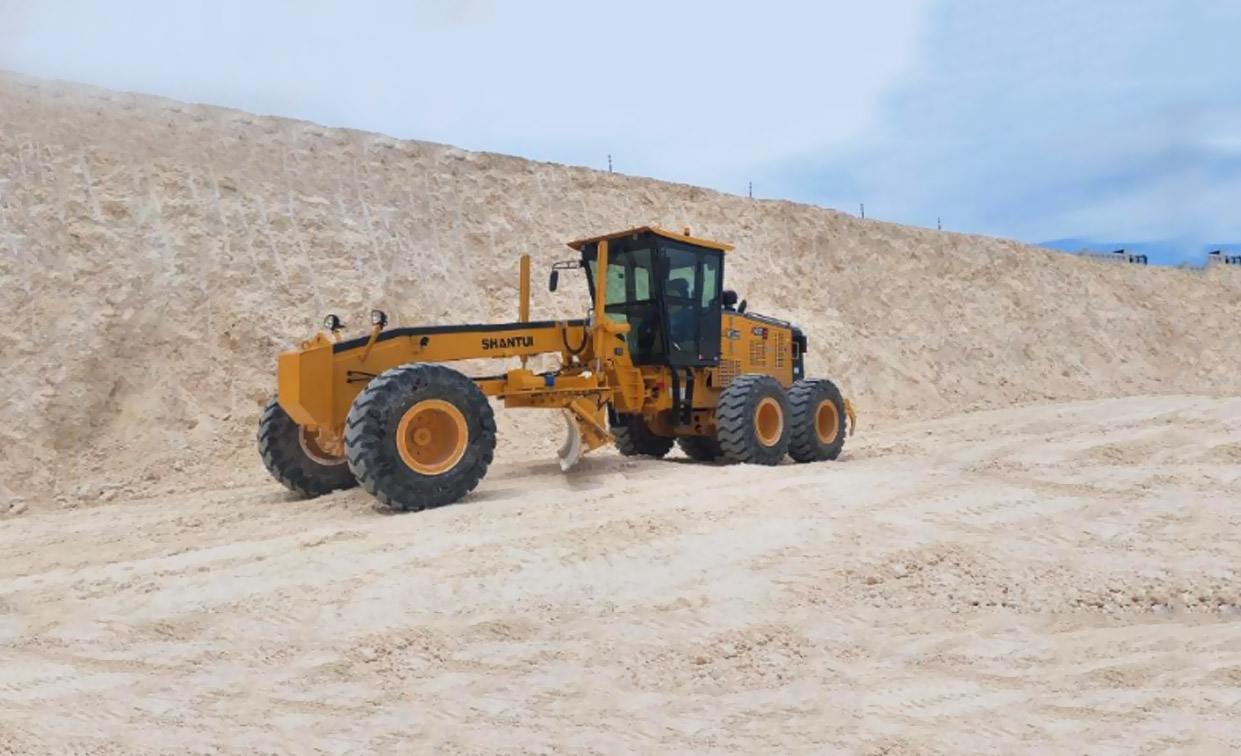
(1041, 120)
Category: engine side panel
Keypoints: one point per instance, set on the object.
(754, 344)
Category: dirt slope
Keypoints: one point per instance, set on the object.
(1054, 576)
(1059, 578)
(156, 255)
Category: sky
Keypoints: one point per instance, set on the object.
(1084, 124)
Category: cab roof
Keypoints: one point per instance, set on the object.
(681, 237)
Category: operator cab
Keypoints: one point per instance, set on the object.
(667, 287)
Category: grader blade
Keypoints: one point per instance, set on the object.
(571, 450)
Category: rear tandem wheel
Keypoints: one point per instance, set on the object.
(818, 418)
(751, 420)
(700, 448)
(634, 439)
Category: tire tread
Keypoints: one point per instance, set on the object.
(700, 448)
(381, 472)
(804, 399)
(734, 420)
(282, 455)
(635, 439)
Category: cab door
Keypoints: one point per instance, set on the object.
(691, 280)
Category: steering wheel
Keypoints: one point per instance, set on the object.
(647, 332)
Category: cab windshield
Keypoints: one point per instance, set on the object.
(669, 294)
(630, 295)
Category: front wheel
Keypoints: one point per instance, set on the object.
(420, 436)
(298, 458)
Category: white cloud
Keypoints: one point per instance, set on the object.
(1052, 119)
(1036, 119)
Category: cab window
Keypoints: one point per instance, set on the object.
(668, 293)
(710, 280)
(681, 299)
(630, 296)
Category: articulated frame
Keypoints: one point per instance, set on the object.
(318, 383)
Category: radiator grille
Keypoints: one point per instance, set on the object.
(726, 372)
(758, 353)
(782, 348)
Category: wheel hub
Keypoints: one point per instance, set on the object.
(322, 445)
(826, 421)
(768, 421)
(432, 437)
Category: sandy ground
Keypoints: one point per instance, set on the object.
(1050, 577)
(1060, 577)
(170, 251)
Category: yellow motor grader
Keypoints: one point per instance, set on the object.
(666, 356)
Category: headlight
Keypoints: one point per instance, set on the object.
(332, 322)
(379, 318)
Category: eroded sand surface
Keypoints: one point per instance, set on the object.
(1060, 576)
(155, 256)
(1054, 575)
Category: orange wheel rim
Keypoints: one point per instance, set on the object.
(432, 437)
(312, 446)
(826, 421)
(768, 421)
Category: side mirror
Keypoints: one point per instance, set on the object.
(553, 281)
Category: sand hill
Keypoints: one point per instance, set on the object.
(156, 255)
(971, 577)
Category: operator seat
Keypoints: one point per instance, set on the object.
(681, 318)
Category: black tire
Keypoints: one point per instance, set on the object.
(375, 453)
(812, 402)
(634, 439)
(292, 459)
(735, 420)
(700, 448)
